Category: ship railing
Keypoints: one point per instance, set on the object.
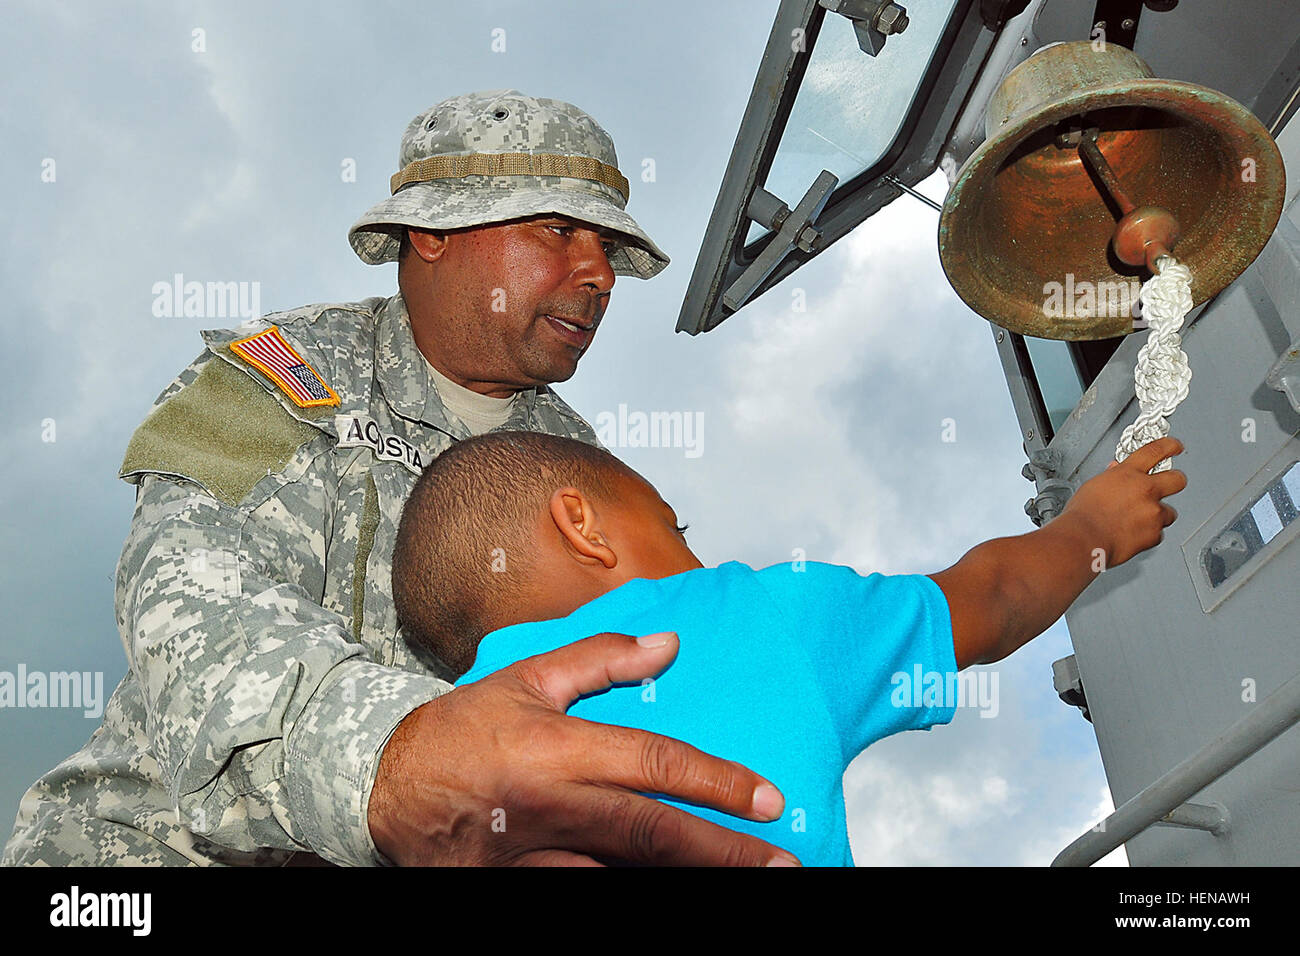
(1164, 801)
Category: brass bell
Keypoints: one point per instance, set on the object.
(1092, 168)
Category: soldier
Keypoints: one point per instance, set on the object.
(272, 711)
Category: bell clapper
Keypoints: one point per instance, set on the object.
(1145, 233)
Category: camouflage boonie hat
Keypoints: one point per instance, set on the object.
(488, 157)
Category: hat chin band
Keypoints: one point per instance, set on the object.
(510, 164)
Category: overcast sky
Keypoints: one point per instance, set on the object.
(822, 428)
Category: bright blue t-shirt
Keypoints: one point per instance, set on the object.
(792, 671)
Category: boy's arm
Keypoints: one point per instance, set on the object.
(1007, 591)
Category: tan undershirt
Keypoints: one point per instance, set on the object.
(480, 413)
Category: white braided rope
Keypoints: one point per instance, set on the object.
(1162, 374)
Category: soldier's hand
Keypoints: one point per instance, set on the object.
(495, 772)
(1124, 503)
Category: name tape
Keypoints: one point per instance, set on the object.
(361, 431)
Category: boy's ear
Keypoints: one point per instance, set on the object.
(578, 523)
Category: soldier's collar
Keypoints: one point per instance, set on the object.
(402, 370)
(405, 375)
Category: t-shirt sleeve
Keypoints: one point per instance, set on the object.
(880, 647)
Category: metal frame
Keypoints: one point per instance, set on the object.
(1209, 596)
(955, 63)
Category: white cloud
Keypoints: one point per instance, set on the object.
(845, 402)
(912, 820)
(1043, 849)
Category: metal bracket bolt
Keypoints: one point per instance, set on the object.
(873, 20)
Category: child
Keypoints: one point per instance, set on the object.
(516, 543)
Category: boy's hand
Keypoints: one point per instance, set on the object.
(1122, 506)
(1007, 591)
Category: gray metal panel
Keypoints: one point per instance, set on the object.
(1246, 48)
(1161, 675)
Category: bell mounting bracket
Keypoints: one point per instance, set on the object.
(873, 20)
(790, 230)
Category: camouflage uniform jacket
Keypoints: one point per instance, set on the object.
(253, 599)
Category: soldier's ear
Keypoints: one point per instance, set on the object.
(426, 244)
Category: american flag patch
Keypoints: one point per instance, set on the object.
(269, 352)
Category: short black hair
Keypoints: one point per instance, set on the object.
(463, 546)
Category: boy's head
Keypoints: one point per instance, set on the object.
(509, 527)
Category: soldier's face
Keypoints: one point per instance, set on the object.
(519, 302)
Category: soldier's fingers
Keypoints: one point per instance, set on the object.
(638, 760)
(634, 759)
(1170, 515)
(1152, 453)
(594, 664)
(555, 858)
(637, 829)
